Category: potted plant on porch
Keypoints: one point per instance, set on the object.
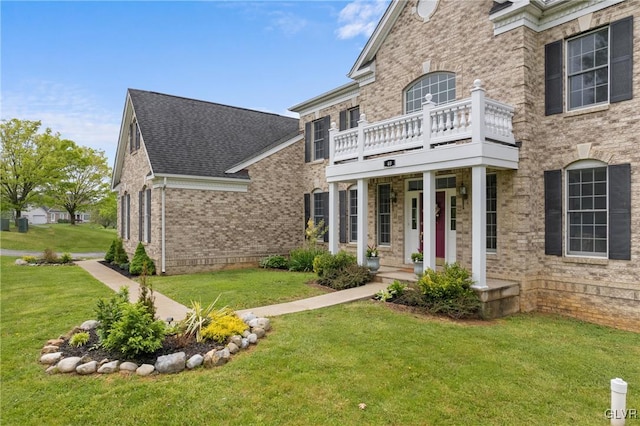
(418, 263)
(373, 260)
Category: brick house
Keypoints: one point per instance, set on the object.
(470, 130)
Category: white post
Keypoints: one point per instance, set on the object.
(479, 226)
(361, 123)
(427, 105)
(363, 232)
(429, 220)
(332, 142)
(334, 218)
(478, 126)
(618, 402)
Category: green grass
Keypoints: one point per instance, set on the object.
(60, 237)
(238, 289)
(315, 367)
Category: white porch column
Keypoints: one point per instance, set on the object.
(363, 213)
(429, 220)
(334, 218)
(478, 126)
(479, 226)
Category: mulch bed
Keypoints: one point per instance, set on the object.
(116, 268)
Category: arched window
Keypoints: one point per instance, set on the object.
(441, 85)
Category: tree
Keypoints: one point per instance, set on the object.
(105, 211)
(30, 161)
(83, 182)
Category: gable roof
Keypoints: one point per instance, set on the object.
(191, 137)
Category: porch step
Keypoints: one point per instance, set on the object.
(500, 299)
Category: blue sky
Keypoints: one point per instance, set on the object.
(70, 63)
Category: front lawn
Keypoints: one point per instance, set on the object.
(316, 367)
(60, 237)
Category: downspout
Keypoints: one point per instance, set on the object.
(164, 187)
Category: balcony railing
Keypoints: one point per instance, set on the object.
(474, 119)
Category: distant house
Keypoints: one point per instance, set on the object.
(36, 215)
(41, 215)
(500, 135)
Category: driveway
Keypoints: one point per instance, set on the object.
(19, 253)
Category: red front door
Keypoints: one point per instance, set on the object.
(440, 223)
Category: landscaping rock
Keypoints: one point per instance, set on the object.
(21, 262)
(233, 348)
(259, 332)
(245, 343)
(261, 323)
(68, 365)
(49, 349)
(51, 358)
(109, 367)
(237, 340)
(87, 368)
(252, 338)
(214, 358)
(173, 363)
(195, 361)
(128, 367)
(55, 342)
(248, 317)
(89, 325)
(145, 370)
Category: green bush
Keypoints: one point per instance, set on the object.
(348, 277)
(119, 255)
(136, 332)
(79, 339)
(66, 258)
(146, 297)
(274, 262)
(326, 263)
(197, 319)
(50, 256)
(449, 291)
(139, 260)
(110, 255)
(301, 259)
(393, 291)
(108, 313)
(224, 324)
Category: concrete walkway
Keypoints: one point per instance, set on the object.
(166, 307)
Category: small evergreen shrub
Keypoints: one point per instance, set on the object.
(136, 332)
(30, 259)
(110, 255)
(66, 258)
(301, 259)
(109, 312)
(119, 256)
(274, 262)
(50, 256)
(139, 260)
(224, 324)
(146, 298)
(449, 291)
(79, 339)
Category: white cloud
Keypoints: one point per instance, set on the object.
(67, 110)
(286, 22)
(360, 17)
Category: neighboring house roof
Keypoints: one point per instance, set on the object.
(191, 137)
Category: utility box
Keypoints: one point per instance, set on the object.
(4, 224)
(23, 224)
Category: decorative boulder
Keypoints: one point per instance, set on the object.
(259, 332)
(145, 370)
(49, 349)
(252, 338)
(51, 358)
(87, 368)
(214, 358)
(195, 361)
(68, 365)
(128, 367)
(233, 348)
(173, 363)
(261, 323)
(89, 325)
(248, 317)
(21, 262)
(109, 367)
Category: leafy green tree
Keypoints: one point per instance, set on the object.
(84, 180)
(30, 162)
(105, 211)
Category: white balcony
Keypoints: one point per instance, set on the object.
(462, 133)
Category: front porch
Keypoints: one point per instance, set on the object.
(474, 133)
(500, 297)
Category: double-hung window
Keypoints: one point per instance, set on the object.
(316, 135)
(353, 215)
(588, 69)
(384, 214)
(492, 213)
(587, 211)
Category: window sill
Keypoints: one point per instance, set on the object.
(319, 161)
(586, 110)
(586, 260)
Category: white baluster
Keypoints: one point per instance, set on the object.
(456, 121)
(434, 124)
(447, 125)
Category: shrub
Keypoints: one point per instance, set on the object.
(119, 256)
(79, 339)
(449, 291)
(30, 259)
(274, 262)
(224, 324)
(110, 255)
(49, 256)
(393, 291)
(301, 259)
(139, 260)
(66, 258)
(350, 276)
(197, 319)
(411, 296)
(146, 298)
(108, 313)
(136, 332)
(326, 262)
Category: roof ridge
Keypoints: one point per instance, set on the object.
(212, 103)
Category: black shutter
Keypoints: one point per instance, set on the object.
(140, 215)
(128, 227)
(553, 212)
(342, 195)
(620, 212)
(307, 209)
(553, 78)
(308, 143)
(326, 125)
(122, 206)
(621, 60)
(343, 120)
(148, 215)
(325, 214)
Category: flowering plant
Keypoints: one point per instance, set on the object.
(372, 251)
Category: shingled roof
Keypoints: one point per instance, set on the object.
(196, 138)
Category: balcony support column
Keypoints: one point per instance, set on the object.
(427, 106)
(429, 220)
(363, 220)
(361, 123)
(478, 126)
(334, 218)
(479, 226)
(332, 141)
